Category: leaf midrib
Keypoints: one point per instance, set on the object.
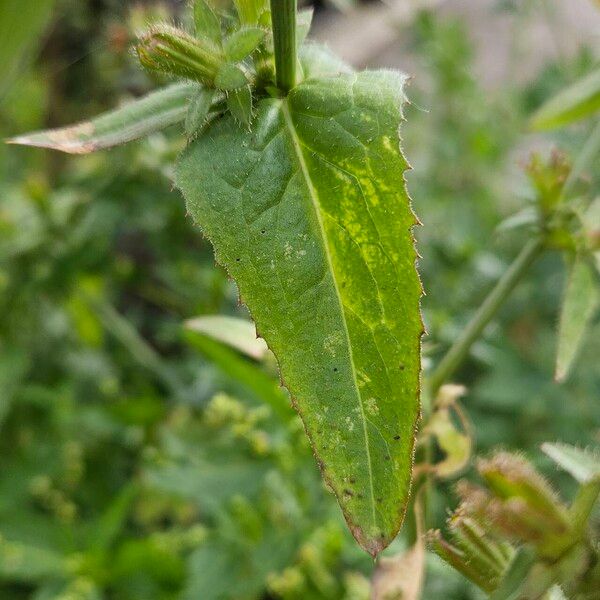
(312, 192)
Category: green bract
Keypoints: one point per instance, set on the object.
(303, 196)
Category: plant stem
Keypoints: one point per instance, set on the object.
(458, 351)
(283, 15)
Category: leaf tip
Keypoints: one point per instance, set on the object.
(373, 545)
(20, 140)
(55, 140)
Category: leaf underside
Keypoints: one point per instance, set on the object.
(309, 214)
(132, 121)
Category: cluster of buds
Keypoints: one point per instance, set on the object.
(226, 413)
(516, 510)
(224, 63)
(477, 554)
(548, 178)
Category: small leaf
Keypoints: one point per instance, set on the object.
(582, 295)
(230, 77)
(249, 11)
(264, 19)
(249, 374)
(456, 445)
(582, 465)
(591, 231)
(26, 563)
(303, 23)
(239, 103)
(591, 225)
(516, 575)
(198, 110)
(134, 120)
(243, 42)
(585, 162)
(206, 21)
(577, 102)
(318, 61)
(108, 526)
(236, 333)
(14, 365)
(526, 217)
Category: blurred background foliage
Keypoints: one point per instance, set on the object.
(141, 461)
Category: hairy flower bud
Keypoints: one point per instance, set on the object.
(512, 478)
(170, 50)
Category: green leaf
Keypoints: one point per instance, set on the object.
(14, 364)
(248, 374)
(303, 23)
(456, 445)
(577, 102)
(239, 103)
(585, 162)
(198, 110)
(27, 563)
(230, 77)
(206, 21)
(591, 230)
(317, 61)
(582, 296)
(582, 465)
(249, 11)
(310, 215)
(236, 333)
(109, 525)
(243, 42)
(134, 120)
(526, 217)
(516, 575)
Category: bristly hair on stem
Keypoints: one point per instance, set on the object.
(283, 15)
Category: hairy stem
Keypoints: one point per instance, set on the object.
(283, 14)
(459, 350)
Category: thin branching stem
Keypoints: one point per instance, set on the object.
(459, 350)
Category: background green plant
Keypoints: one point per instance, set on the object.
(139, 461)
